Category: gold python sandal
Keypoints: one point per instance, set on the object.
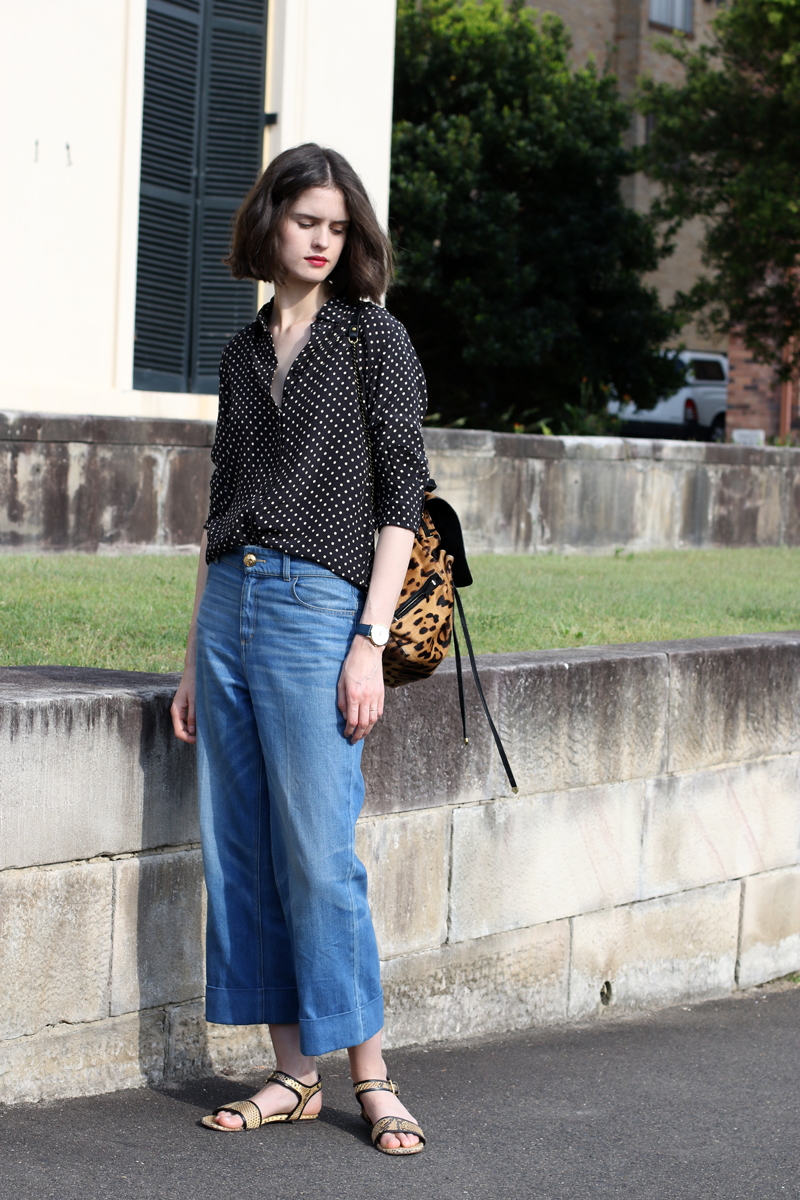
(251, 1114)
(388, 1124)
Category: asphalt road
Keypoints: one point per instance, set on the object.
(697, 1101)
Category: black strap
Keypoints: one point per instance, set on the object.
(460, 678)
(495, 734)
(353, 338)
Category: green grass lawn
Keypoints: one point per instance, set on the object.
(131, 613)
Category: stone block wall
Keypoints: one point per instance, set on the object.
(652, 855)
(94, 483)
(116, 484)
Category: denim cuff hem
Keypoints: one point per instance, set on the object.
(252, 1006)
(324, 1034)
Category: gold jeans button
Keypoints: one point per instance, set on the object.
(249, 560)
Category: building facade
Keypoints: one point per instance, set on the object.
(623, 34)
(131, 129)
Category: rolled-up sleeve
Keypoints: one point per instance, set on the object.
(397, 404)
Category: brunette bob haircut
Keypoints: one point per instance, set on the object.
(364, 269)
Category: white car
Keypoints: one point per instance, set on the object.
(696, 411)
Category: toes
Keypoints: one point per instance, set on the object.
(229, 1120)
(393, 1141)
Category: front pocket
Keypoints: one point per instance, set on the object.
(428, 587)
(325, 594)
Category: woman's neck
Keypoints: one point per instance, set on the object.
(297, 304)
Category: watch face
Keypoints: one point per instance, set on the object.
(379, 634)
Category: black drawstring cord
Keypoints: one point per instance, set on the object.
(460, 677)
(495, 734)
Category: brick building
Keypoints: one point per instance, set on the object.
(755, 399)
(622, 33)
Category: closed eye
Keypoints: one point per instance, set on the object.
(306, 221)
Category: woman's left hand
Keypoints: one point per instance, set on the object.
(361, 688)
(361, 680)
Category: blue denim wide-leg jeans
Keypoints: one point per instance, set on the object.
(289, 932)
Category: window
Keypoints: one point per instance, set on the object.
(672, 14)
(707, 370)
(202, 134)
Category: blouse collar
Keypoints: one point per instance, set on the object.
(333, 312)
(330, 317)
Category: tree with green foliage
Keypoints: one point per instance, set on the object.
(520, 267)
(725, 147)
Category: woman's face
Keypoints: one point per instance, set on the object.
(313, 235)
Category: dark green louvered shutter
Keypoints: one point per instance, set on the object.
(167, 196)
(230, 159)
(201, 151)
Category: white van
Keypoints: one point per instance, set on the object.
(696, 412)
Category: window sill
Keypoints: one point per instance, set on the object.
(687, 33)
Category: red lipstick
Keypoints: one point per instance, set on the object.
(316, 260)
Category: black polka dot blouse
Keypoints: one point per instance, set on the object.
(296, 478)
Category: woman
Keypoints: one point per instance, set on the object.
(294, 600)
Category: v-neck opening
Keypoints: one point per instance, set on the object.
(265, 316)
(290, 368)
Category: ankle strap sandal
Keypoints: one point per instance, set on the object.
(388, 1124)
(251, 1115)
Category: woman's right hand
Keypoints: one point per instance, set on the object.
(184, 710)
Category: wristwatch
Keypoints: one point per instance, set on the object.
(377, 634)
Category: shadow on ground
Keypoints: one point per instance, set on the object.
(698, 1101)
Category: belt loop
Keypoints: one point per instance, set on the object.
(287, 567)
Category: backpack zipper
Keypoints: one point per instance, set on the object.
(428, 586)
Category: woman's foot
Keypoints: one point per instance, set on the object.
(385, 1104)
(274, 1099)
(366, 1062)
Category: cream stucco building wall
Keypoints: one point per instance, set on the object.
(71, 89)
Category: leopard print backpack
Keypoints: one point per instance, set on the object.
(424, 620)
(422, 629)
